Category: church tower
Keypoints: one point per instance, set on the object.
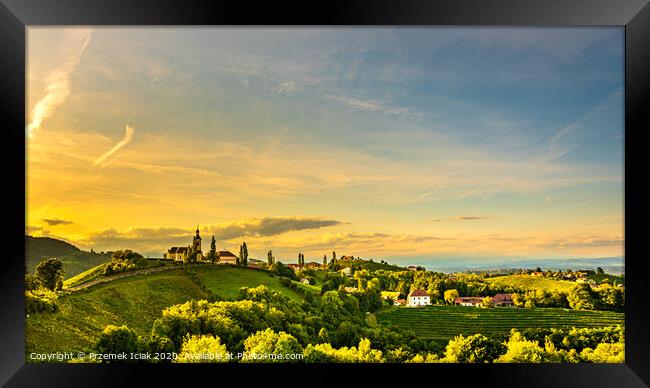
(196, 243)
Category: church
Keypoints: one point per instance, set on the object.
(180, 253)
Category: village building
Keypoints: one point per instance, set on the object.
(304, 281)
(346, 271)
(412, 268)
(503, 300)
(313, 264)
(295, 267)
(176, 253)
(474, 301)
(419, 298)
(399, 302)
(226, 257)
(350, 289)
(181, 253)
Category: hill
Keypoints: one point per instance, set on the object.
(226, 280)
(370, 265)
(529, 282)
(444, 322)
(136, 301)
(74, 259)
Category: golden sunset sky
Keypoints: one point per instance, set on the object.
(390, 143)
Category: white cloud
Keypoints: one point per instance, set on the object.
(58, 80)
(128, 135)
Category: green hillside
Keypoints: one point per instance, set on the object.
(370, 265)
(445, 322)
(74, 259)
(528, 282)
(613, 279)
(226, 280)
(135, 301)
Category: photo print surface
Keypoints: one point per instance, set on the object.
(306, 195)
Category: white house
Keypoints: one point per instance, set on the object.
(419, 298)
(347, 271)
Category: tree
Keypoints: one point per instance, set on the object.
(202, 349)
(268, 342)
(476, 348)
(240, 258)
(333, 257)
(450, 296)
(487, 302)
(581, 297)
(212, 255)
(245, 254)
(115, 340)
(599, 270)
(49, 273)
(270, 259)
(324, 259)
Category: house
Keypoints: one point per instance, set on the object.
(180, 253)
(537, 273)
(304, 281)
(295, 267)
(469, 301)
(399, 302)
(419, 298)
(226, 257)
(177, 253)
(503, 300)
(412, 268)
(346, 271)
(313, 264)
(351, 289)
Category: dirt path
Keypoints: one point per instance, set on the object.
(104, 279)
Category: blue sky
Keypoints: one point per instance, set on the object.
(412, 142)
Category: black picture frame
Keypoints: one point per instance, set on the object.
(17, 15)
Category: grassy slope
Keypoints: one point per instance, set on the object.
(370, 265)
(445, 322)
(135, 302)
(98, 271)
(529, 282)
(613, 279)
(225, 280)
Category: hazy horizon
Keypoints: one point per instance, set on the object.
(403, 144)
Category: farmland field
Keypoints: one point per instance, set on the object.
(528, 282)
(445, 322)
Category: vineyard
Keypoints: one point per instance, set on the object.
(445, 322)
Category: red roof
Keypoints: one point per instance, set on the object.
(502, 298)
(418, 293)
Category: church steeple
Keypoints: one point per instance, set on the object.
(197, 241)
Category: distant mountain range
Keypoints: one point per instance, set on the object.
(611, 265)
(74, 259)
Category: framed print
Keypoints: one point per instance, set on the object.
(369, 191)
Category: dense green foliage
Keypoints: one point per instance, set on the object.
(49, 274)
(123, 261)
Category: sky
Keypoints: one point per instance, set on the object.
(384, 143)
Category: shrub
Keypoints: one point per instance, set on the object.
(202, 349)
(40, 301)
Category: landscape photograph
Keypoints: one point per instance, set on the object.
(324, 195)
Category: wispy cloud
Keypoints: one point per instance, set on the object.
(58, 80)
(367, 105)
(287, 87)
(128, 135)
(54, 222)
